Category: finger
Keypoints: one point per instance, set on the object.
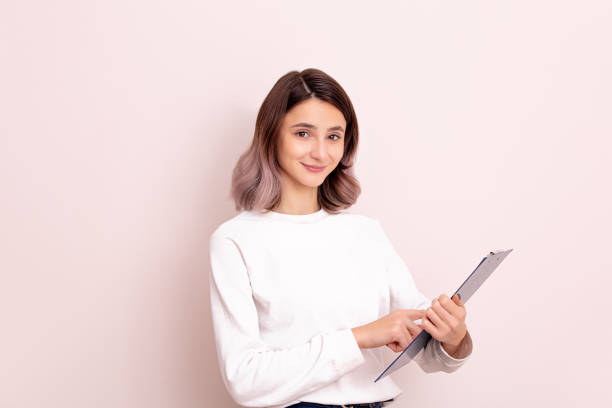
(415, 313)
(405, 339)
(413, 328)
(430, 328)
(443, 314)
(450, 306)
(394, 346)
(457, 299)
(437, 320)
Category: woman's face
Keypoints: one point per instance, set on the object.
(312, 134)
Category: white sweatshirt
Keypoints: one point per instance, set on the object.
(285, 291)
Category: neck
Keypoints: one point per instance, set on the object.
(297, 200)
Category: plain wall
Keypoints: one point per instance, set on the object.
(484, 125)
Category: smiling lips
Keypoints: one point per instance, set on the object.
(315, 169)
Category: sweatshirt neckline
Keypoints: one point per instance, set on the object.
(299, 218)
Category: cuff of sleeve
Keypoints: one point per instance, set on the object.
(346, 352)
(466, 347)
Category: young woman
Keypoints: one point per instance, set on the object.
(303, 293)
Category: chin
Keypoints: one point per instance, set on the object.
(311, 183)
(315, 180)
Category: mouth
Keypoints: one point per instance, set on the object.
(315, 169)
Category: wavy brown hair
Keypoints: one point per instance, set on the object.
(256, 176)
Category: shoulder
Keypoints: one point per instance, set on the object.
(358, 217)
(247, 224)
(231, 227)
(371, 226)
(362, 220)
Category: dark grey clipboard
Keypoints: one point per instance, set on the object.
(484, 269)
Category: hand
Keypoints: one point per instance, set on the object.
(445, 321)
(395, 330)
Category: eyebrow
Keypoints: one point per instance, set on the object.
(308, 125)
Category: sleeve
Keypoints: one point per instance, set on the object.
(405, 295)
(255, 374)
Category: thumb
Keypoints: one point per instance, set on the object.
(457, 299)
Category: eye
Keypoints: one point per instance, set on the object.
(301, 131)
(338, 137)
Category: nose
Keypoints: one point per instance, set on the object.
(318, 150)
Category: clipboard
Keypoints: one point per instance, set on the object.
(484, 269)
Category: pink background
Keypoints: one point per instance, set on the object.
(484, 125)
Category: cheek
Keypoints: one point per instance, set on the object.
(293, 150)
(289, 151)
(300, 150)
(337, 154)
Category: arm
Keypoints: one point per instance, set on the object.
(435, 358)
(462, 350)
(405, 295)
(254, 373)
